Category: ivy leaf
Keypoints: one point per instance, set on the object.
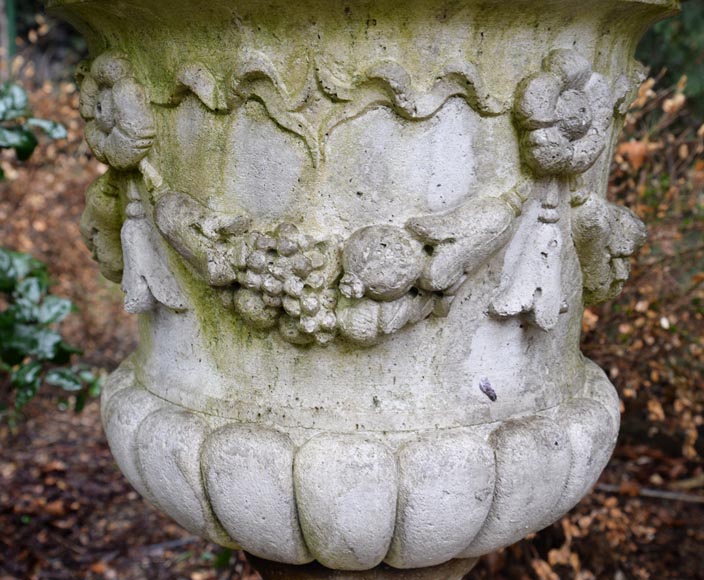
(80, 402)
(223, 559)
(31, 289)
(63, 353)
(54, 309)
(20, 139)
(28, 143)
(26, 374)
(95, 387)
(7, 272)
(64, 378)
(26, 380)
(18, 343)
(25, 265)
(15, 267)
(29, 338)
(52, 129)
(94, 383)
(47, 343)
(24, 310)
(11, 356)
(13, 102)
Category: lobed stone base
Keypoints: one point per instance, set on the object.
(352, 501)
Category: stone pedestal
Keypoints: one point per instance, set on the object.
(359, 237)
(453, 570)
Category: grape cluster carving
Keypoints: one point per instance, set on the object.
(286, 278)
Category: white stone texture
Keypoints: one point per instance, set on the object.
(347, 504)
(532, 465)
(124, 407)
(446, 486)
(249, 478)
(169, 443)
(351, 501)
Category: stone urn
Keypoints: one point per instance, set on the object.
(359, 237)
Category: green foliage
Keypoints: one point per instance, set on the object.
(26, 12)
(17, 125)
(677, 45)
(32, 350)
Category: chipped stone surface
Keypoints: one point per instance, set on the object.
(526, 451)
(359, 240)
(592, 435)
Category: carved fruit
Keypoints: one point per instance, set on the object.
(385, 259)
(252, 308)
(462, 239)
(605, 236)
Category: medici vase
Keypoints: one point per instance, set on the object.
(359, 236)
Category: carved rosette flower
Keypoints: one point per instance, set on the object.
(564, 114)
(120, 127)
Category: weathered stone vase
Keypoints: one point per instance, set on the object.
(359, 236)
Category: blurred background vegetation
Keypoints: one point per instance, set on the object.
(67, 512)
(676, 46)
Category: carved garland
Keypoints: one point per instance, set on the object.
(372, 284)
(383, 277)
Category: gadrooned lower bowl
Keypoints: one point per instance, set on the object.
(354, 500)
